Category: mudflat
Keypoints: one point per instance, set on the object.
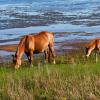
(60, 48)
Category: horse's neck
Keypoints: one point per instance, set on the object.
(19, 51)
(20, 48)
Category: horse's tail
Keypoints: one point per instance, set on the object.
(51, 47)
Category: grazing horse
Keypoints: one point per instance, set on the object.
(93, 45)
(31, 44)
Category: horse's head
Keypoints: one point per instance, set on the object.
(16, 61)
(87, 52)
(87, 47)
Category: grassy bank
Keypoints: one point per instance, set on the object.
(67, 80)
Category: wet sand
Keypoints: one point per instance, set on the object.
(61, 48)
(6, 51)
(66, 45)
(9, 48)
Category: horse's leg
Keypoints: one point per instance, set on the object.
(46, 55)
(98, 49)
(27, 54)
(31, 57)
(52, 52)
(96, 57)
(89, 52)
(49, 56)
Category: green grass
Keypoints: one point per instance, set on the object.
(66, 80)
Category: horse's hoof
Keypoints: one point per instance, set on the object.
(16, 67)
(54, 62)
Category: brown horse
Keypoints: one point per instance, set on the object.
(31, 44)
(92, 45)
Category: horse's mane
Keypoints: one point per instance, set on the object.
(21, 43)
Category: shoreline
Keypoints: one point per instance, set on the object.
(60, 48)
(65, 45)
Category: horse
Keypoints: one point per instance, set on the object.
(93, 45)
(43, 42)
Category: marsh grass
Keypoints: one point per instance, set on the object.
(78, 79)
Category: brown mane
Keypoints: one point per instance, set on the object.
(21, 43)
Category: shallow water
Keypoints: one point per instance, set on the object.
(57, 16)
(67, 31)
(73, 19)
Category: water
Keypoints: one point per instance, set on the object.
(80, 19)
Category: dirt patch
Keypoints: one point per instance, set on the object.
(70, 46)
(10, 48)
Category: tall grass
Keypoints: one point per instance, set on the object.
(67, 80)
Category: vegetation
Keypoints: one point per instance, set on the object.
(72, 78)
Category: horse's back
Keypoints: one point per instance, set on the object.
(42, 40)
(44, 35)
(38, 42)
(47, 36)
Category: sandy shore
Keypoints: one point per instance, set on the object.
(60, 48)
(10, 48)
(65, 45)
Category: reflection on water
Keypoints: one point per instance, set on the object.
(5, 56)
(5, 53)
(68, 32)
